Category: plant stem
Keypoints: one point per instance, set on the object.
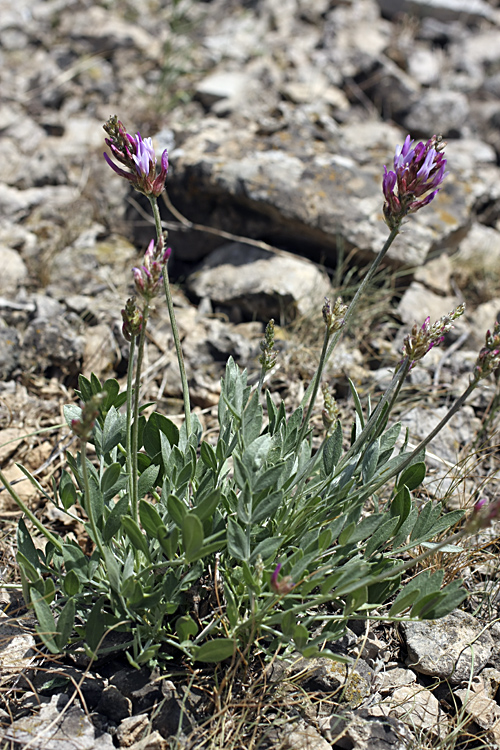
(392, 392)
(173, 324)
(87, 502)
(130, 392)
(317, 380)
(135, 422)
(423, 443)
(351, 309)
(27, 512)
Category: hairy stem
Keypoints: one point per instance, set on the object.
(135, 421)
(173, 324)
(351, 310)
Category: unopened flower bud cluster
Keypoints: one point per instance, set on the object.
(423, 339)
(489, 357)
(330, 413)
(334, 317)
(269, 355)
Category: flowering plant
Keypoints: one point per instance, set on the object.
(276, 533)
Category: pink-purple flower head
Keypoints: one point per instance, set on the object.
(138, 155)
(419, 170)
(149, 276)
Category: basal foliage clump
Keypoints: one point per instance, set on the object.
(209, 548)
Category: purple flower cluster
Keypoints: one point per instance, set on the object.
(489, 357)
(150, 275)
(421, 340)
(138, 155)
(418, 169)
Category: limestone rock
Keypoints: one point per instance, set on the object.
(451, 648)
(54, 730)
(363, 730)
(303, 736)
(417, 707)
(262, 284)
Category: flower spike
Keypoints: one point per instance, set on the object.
(419, 171)
(138, 155)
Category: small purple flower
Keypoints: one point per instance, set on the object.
(281, 587)
(419, 171)
(138, 155)
(483, 515)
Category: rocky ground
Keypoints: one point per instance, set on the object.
(278, 116)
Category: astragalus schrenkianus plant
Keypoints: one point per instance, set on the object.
(210, 547)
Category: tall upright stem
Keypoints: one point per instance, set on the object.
(350, 312)
(135, 422)
(128, 437)
(173, 324)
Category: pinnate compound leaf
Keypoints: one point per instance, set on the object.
(208, 456)
(413, 476)
(135, 535)
(150, 518)
(237, 543)
(448, 599)
(110, 477)
(177, 509)
(192, 536)
(114, 520)
(267, 507)
(169, 541)
(147, 480)
(67, 490)
(185, 627)
(381, 536)
(370, 461)
(206, 507)
(95, 627)
(151, 436)
(300, 636)
(25, 545)
(332, 450)
(357, 403)
(215, 651)
(71, 583)
(113, 431)
(65, 624)
(46, 627)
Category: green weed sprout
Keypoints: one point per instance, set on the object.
(275, 533)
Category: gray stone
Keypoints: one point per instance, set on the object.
(222, 85)
(418, 708)
(438, 111)
(14, 271)
(53, 343)
(362, 730)
(54, 730)
(312, 194)
(443, 10)
(262, 284)
(454, 648)
(418, 303)
(9, 352)
(303, 736)
(114, 704)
